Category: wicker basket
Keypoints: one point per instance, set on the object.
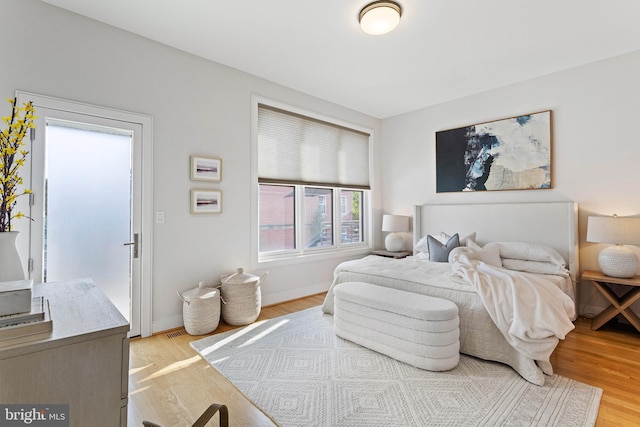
(241, 297)
(200, 309)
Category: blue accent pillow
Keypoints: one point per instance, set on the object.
(438, 251)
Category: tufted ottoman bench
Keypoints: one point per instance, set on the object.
(416, 329)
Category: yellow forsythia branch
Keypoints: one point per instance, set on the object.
(12, 158)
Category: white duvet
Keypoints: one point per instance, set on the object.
(531, 311)
(480, 335)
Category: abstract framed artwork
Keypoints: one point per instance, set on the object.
(507, 154)
(206, 169)
(206, 201)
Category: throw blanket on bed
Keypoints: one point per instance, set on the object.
(530, 311)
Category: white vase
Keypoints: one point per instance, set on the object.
(10, 263)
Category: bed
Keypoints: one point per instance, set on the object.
(550, 225)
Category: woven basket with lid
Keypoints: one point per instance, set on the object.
(241, 297)
(200, 309)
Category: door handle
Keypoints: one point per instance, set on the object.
(134, 244)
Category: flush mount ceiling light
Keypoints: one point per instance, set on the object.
(380, 17)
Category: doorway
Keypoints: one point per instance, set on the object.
(88, 214)
(89, 202)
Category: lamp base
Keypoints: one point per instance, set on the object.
(394, 242)
(618, 261)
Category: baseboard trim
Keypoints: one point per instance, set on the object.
(173, 322)
(297, 293)
(163, 325)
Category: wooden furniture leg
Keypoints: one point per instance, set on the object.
(619, 305)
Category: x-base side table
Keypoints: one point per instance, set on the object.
(619, 305)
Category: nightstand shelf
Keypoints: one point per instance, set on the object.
(619, 305)
(388, 254)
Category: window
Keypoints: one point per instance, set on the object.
(351, 221)
(277, 219)
(322, 204)
(318, 224)
(313, 181)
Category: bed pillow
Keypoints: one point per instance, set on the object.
(438, 251)
(540, 267)
(471, 237)
(490, 254)
(423, 244)
(530, 252)
(442, 237)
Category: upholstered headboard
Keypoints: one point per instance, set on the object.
(554, 224)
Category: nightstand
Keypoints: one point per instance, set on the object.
(397, 255)
(619, 305)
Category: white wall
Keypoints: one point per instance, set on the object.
(198, 107)
(595, 147)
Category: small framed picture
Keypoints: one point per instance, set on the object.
(206, 201)
(206, 168)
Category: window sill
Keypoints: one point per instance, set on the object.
(295, 259)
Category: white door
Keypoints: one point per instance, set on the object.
(88, 206)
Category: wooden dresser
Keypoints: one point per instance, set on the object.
(84, 362)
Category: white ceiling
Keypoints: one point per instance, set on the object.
(442, 49)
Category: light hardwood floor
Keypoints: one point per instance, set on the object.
(171, 385)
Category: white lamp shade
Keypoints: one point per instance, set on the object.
(615, 260)
(380, 17)
(395, 223)
(613, 229)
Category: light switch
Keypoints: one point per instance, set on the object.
(159, 217)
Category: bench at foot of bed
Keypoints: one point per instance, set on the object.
(416, 329)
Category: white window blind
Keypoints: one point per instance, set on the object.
(301, 150)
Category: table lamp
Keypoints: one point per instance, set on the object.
(395, 224)
(615, 260)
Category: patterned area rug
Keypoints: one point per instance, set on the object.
(300, 373)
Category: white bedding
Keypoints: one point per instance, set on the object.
(479, 336)
(531, 311)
